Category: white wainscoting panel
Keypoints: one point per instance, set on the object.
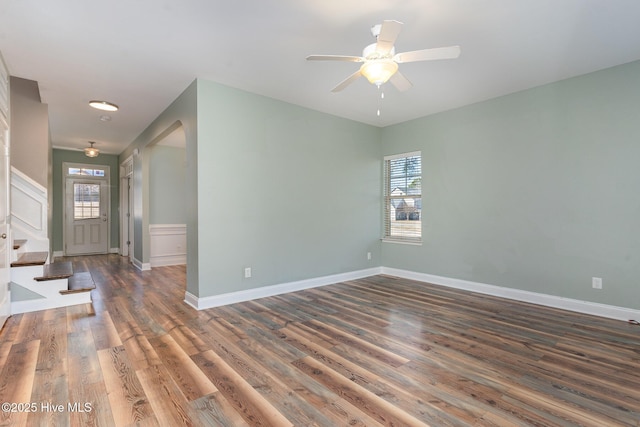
(28, 204)
(29, 212)
(168, 244)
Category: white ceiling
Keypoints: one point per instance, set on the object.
(142, 54)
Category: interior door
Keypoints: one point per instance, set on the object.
(5, 234)
(86, 216)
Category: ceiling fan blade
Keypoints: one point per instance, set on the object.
(388, 34)
(346, 82)
(335, 58)
(400, 81)
(450, 52)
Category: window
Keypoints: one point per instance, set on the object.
(86, 201)
(85, 172)
(403, 198)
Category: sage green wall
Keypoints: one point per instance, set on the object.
(181, 112)
(61, 156)
(538, 190)
(167, 201)
(290, 192)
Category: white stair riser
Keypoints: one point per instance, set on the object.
(47, 288)
(27, 306)
(26, 274)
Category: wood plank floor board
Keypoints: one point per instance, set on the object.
(86, 382)
(125, 393)
(370, 403)
(105, 334)
(185, 373)
(354, 369)
(247, 401)
(252, 372)
(268, 339)
(318, 405)
(374, 351)
(188, 340)
(30, 326)
(170, 408)
(50, 381)
(214, 410)
(589, 402)
(17, 381)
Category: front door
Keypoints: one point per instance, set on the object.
(86, 210)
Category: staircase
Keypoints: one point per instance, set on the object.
(37, 284)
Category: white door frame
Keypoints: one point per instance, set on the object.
(126, 208)
(6, 242)
(69, 178)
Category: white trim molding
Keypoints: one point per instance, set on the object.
(168, 244)
(585, 307)
(142, 266)
(268, 291)
(569, 304)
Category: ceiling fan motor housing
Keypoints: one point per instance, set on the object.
(370, 53)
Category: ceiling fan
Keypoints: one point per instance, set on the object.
(380, 60)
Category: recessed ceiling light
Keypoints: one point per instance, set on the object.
(103, 105)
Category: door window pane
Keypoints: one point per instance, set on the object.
(86, 201)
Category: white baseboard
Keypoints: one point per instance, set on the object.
(142, 266)
(57, 254)
(165, 260)
(268, 291)
(586, 307)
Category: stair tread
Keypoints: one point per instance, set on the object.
(56, 270)
(18, 243)
(31, 258)
(80, 282)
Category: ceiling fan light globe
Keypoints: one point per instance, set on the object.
(378, 72)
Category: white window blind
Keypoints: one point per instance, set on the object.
(403, 197)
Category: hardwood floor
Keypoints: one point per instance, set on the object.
(377, 351)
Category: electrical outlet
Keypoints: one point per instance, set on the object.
(247, 272)
(369, 256)
(596, 282)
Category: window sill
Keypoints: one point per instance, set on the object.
(403, 242)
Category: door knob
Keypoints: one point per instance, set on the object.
(3, 235)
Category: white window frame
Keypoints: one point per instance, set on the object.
(409, 238)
